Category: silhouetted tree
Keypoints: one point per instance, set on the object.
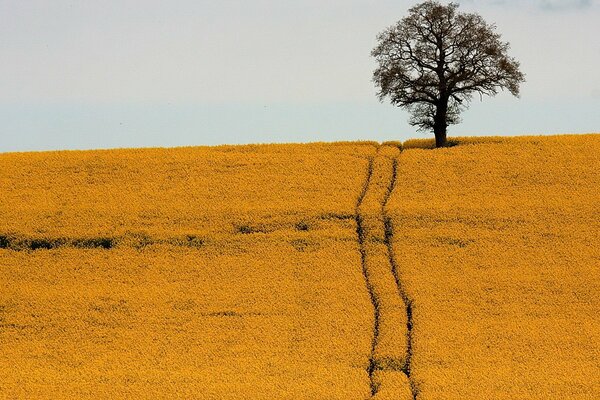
(433, 61)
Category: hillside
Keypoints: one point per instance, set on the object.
(338, 271)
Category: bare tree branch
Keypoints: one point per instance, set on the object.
(435, 59)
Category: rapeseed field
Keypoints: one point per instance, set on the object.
(317, 271)
(224, 322)
(497, 243)
(211, 273)
(170, 192)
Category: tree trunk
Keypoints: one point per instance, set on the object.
(439, 122)
(440, 135)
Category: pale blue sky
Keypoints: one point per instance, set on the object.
(102, 74)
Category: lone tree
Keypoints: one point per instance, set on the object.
(433, 61)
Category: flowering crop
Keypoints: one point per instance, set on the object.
(165, 192)
(213, 273)
(497, 244)
(338, 271)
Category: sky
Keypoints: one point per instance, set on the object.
(123, 73)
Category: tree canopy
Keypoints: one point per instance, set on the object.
(435, 59)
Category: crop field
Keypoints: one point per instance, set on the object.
(313, 271)
(181, 191)
(208, 273)
(497, 244)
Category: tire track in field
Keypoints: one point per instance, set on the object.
(389, 365)
(360, 233)
(389, 234)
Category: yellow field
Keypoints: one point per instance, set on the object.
(215, 323)
(230, 272)
(317, 271)
(169, 192)
(497, 242)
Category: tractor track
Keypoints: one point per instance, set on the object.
(392, 340)
(360, 233)
(389, 234)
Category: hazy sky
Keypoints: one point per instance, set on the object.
(100, 74)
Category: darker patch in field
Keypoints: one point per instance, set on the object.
(187, 241)
(375, 239)
(19, 243)
(247, 229)
(299, 244)
(94, 243)
(139, 240)
(303, 245)
(43, 243)
(456, 242)
(36, 244)
(337, 216)
(227, 313)
(432, 146)
(194, 241)
(17, 327)
(8, 325)
(302, 226)
(107, 305)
